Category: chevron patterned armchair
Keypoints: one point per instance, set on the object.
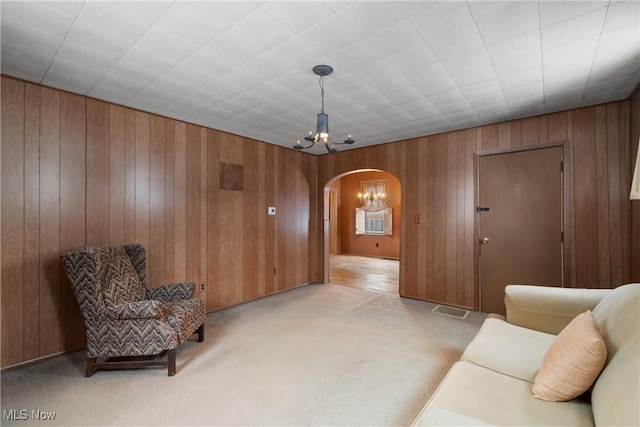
(127, 324)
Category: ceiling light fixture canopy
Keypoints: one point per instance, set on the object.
(322, 124)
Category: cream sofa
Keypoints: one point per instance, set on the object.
(491, 384)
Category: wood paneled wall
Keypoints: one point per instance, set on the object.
(77, 171)
(437, 260)
(635, 204)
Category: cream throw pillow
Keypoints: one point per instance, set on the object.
(573, 361)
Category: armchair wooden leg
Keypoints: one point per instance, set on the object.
(171, 362)
(91, 361)
(201, 333)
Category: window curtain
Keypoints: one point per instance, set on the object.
(375, 197)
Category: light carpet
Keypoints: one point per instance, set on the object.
(315, 355)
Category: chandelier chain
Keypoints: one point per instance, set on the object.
(321, 82)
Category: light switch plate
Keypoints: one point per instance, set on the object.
(271, 210)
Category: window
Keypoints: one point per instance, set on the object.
(378, 223)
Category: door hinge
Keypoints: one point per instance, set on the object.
(562, 236)
(562, 166)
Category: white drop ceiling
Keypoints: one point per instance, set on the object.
(401, 69)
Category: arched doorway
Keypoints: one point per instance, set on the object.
(362, 234)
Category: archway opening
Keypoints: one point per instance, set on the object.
(362, 211)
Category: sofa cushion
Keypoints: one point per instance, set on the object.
(573, 362)
(616, 394)
(494, 398)
(508, 349)
(442, 417)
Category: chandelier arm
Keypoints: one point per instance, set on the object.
(299, 146)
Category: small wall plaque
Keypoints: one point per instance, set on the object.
(231, 177)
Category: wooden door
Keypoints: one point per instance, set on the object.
(520, 222)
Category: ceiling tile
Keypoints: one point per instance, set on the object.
(149, 11)
(37, 16)
(187, 75)
(115, 89)
(260, 30)
(523, 78)
(330, 35)
(552, 12)
(473, 77)
(94, 38)
(233, 49)
(354, 56)
(152, 100)
(412, 8)
(602, 74)
(574, 93)
(522, 45)
(568, 82)
(71, 76)
(30, 37)
(456, 42)
(493, 98)
(147, 59)
(502, 20)
(558, 63)
(167, 44)
(110, 18)
(510, 70)
(298, 16)
(572, 30)
(618, 46)
(129, 71)
(293, 53)
(24, 61)
(174, 87)
(368, 19)
(225, 14)
(78, 53)
(71, 8)
(446, 17)
(395, 39)
(188, 23)
(529, 92)
(242, 78)
(206, 62)
(431, 80)
(409, 60)
(484, 89)
(622, 14)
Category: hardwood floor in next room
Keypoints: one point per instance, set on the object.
(373, 274)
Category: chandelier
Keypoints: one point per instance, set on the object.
(322, 125)
(373, 197)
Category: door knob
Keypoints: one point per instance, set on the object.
(484, 240)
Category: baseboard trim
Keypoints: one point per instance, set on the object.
(30, 362)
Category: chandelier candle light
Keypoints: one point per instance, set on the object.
(322, 126)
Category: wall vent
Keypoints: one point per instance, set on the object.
(458, 313)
